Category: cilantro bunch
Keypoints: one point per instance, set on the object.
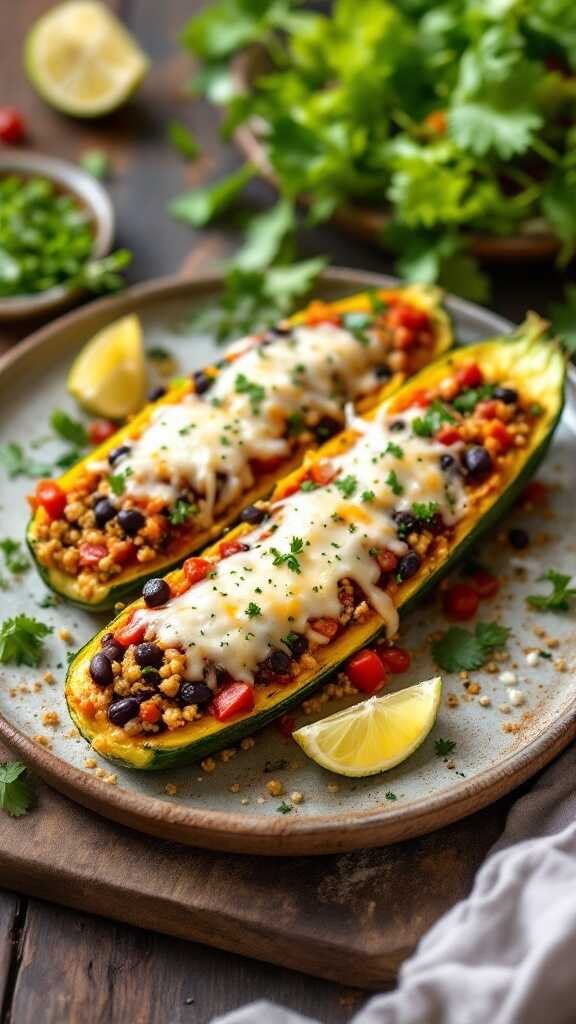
(454, 118)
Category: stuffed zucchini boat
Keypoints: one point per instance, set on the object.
(183, 469)
(346, 543)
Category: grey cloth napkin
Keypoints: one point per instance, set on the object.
(507, 953)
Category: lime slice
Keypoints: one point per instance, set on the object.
(82, 60)
(375, 735)
(109, 377)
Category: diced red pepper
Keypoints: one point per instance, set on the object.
(122, 551)
(395, 659)
(132, 632)
(230, 547)
(234, 699)
(326, 627)
(366, 671)
(100, 430)
(484, 583)
(50, 496)
(321, 473)
(461, 601)
(91, 554)
(196, 569)
(448, 435)
(387, 560)
(402, 315)
(499, 431)
(12, 128)
(469, 376)
(286, 725)
(150, 712)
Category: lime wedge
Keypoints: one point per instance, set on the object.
(82, 60)
(109, 377)
(375, 735)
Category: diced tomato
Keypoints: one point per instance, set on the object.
(469, 376)
(484, 583)
(132, 632)
(50, 497)
(420, 398)
(461, 601)
(499, 431)
(262, 466)
(12, 128)
(322, 473)
(100, 430)
(448, 435)
(122, 551)
(196, 569)
(234, 699)
(402, 315)
(230, 547)
(396, 659)
(326, 627)
(387, 560)
(366, 671)
(150, 712)
(487, 410)
(91, 554)
(535, 493)
(286, 725)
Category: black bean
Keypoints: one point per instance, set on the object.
(278, 331)
(408, 565)
(195, 693)
(113, 650)
(447, 462)
(297, 643)
(202, 381)
(397, 425)
(478, 461)
(131, 520)
(155, 592)
(108, 638)
(148, 654)
(101, 669)
(122, 711)
(383, 372)
(104, 511)
(118, 453)
(406, 523)
(278, 662)
(156, 393)
(518, 538)
(326, 428)
(143, 695)
(507, 395)
(252, 514)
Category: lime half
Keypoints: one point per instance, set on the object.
(109, 376)
(82, 60)
(375, 735)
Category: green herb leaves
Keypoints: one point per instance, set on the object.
(442, 748)
(182, 511)
(21, 641)
(14, 557)
(256, 393)
(559, 600)
(16, 795)
(68, 428)
(459, 650)
(290, 560)
(202, 205)
(17, 463)
(436, 414)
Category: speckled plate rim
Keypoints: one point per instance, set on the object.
(237, 832)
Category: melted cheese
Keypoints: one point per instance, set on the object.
(248, 604)
(206, 442)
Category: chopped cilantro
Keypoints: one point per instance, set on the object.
(290, 560)
(182, 511)
(15, 793)
(118, 481)
(429, 424)
(357, 323)
(425, 510)
(394, 483)
(68, 428)
(284, 808)
(17, 463)
(346, 485)
(183, 140)
(467, 400)
(296, 424)
(394, 449)
(459, 650)
(560, 597)
(14, 557)
(255, 392)
(368, 496)
(444, 747)
(253, 610)
(308, 485)
(21, 640)
(389, 795)
(96, 162)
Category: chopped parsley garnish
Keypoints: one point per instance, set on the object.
(15, 793)
(429, 424)
(284, 808)
(346, 485)
(17, 463)
(256, 393)
(368, 496)
(295, 423)
(444, 747)
(253, 610)
(425, 510)
(467, 400)
(118, 481)
(49, 601)
(394, 483)
(389, 795)
(68, 459)
(68, 428)
(560, 597)
(290, 560)
(308, 485)
(14, 556)
(21, 641)
(394, 449)
(182, 511)
(459, 650)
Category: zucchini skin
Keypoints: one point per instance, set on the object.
(130, 582)
(538, 368)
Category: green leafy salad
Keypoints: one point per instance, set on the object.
(456, 118)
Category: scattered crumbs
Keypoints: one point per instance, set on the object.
(50, 718)
(296, 797)
(101, 773)
(560, 664)
(65, 635)
(474, 688)
(464, 676)
(37, 686)
(208, 765)
(260, 800)
(511, 727)
(49, 678)
(484, 702)
(452, 700)
(504, 708)
(13, 691)
(111, 779)
(171, 789)
(42, 740)
(227, 754)
(244, 800)
(23, 688)
(539, 631)
(235, 787)
(247, 743)
(119, 606)
(451, 763)
(532, 658)
(491, 666)
(275, 787)
(332, 787)
(72, 733)
(516, 697)
(90, 762)
(507, 678)
(551, 641)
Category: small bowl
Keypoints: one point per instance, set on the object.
(89, 192)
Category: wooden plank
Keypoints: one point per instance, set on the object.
(101, 972)
(352, 917)
(9, 907)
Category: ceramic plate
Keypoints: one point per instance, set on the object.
(230, 808)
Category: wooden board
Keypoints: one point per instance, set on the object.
(352, 917)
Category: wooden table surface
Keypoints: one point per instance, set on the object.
(56, 965)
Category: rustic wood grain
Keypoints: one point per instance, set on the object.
(9, 904)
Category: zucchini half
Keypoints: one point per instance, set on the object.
(528, 361)
(125, 584)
